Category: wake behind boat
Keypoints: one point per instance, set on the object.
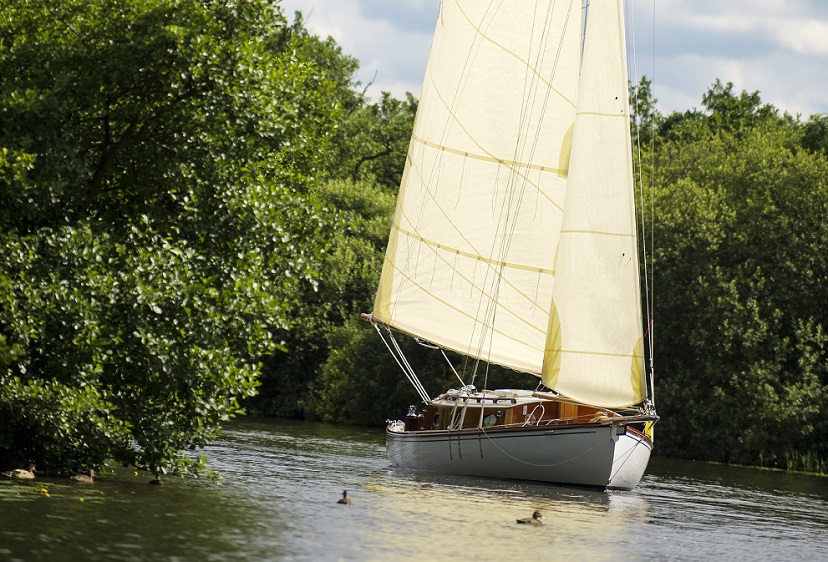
(514, 243)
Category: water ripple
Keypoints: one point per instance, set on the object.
(281, 480)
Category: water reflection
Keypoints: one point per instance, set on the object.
(119, 518)
(282, 479)
(470, 518)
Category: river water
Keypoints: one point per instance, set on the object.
(281, 480)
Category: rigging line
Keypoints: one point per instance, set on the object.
(637, 101)
(408, 366)
(443, 351)
(423, 395)
(652, 216)
(546, 101)
(453, 370)
(516, 190)
(532, 87)
(649, 269)
(510, 193)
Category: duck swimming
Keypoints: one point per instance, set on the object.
(536, 519)
(88, 478)
(344, 499)
(27, 473)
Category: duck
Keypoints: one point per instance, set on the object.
(536, 519)
(88, 478)
(157, 480)
(27, 473)
(345, 500)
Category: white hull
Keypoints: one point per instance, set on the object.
(604, 456)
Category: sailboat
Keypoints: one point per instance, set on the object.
(514, 243)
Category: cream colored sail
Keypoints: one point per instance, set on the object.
(470, 260)
(595, 349)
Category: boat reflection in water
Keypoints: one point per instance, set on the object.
(415, 501)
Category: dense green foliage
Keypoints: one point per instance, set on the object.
(363, 168)
(741, 257)
(345, 289)
(154, 214)
(190, 188)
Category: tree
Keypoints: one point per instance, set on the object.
(815, 134)
(374, 141)
(349, 271)
(732, 113)
(156, 212)
(740, 314)
(371, 141)
(363, 168)
(645, 118)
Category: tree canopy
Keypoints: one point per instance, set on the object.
(191, 188)
(740, 196)
(155, 209)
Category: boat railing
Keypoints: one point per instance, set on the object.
(592, 419)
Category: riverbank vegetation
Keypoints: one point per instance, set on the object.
(194, 204)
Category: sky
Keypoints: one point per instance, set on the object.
(776, 47)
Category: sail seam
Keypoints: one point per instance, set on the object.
(599, 353)
(599, 114)
(472, 318)
(489, 261)
(599, 233)
(484, 158)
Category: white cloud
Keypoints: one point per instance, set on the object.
(778, 47)
(806, 37)
(390, 53)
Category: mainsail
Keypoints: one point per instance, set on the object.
(484, 202)
(469, 264)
